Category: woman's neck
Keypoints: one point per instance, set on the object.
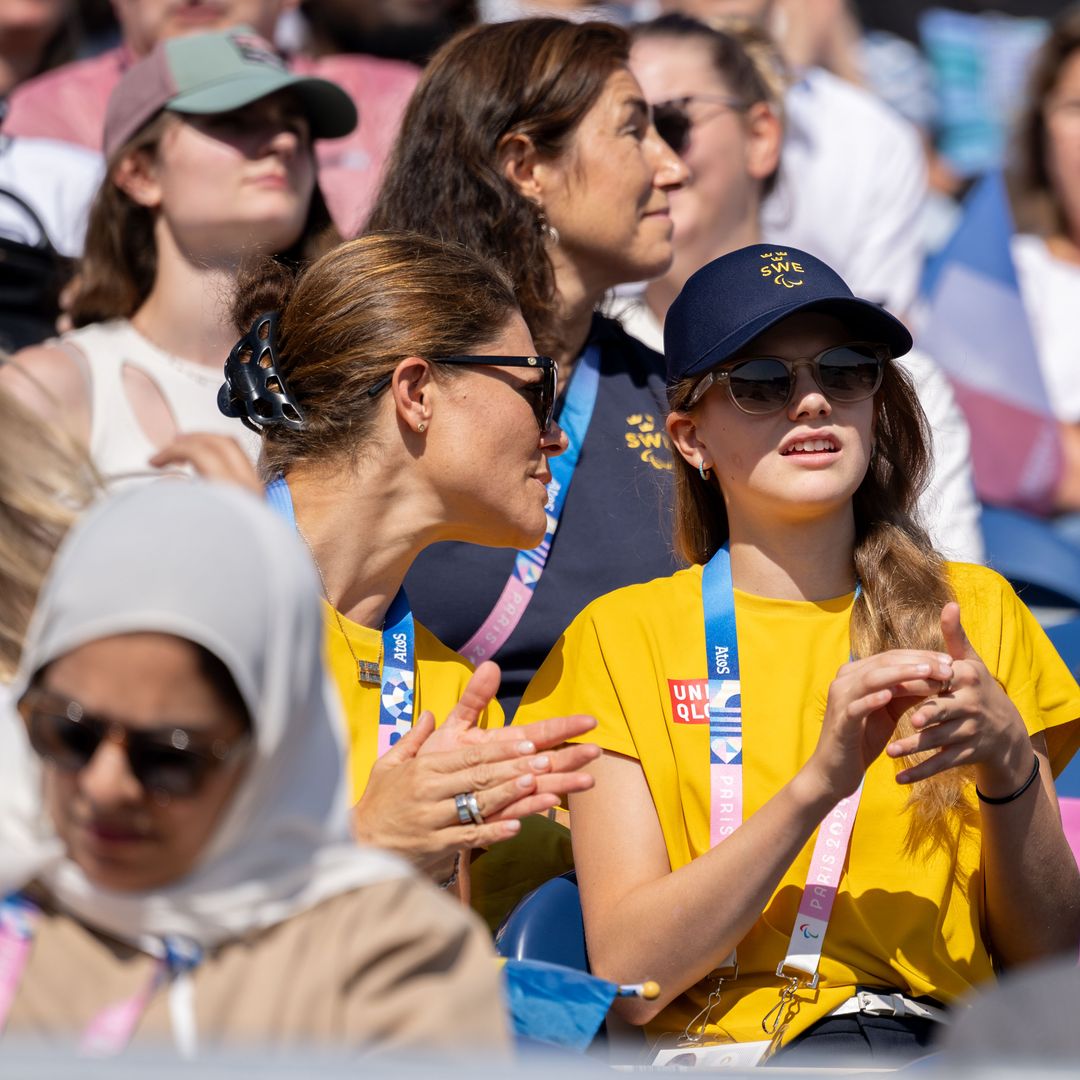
(807, 560)
(577, 299)
(363, 552)
(188, 312)
(745, 230)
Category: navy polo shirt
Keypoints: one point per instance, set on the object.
(615, 528)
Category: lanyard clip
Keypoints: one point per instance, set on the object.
(807, 980)
(701, 1021)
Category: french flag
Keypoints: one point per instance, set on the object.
(972, 322)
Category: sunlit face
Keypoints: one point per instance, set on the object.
(235, 183)
(805, 461)
(487, 458)
(729, 153)
(122, 836)
(146, 22)
(1062, 113)
(607, 195)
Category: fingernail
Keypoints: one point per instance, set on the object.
(540, 763)
(526, 747)
(526, 781)
(923, 669)
(511, 827)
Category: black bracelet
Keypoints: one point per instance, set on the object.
(1017, 793)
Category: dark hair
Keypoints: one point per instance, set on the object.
(217, 674)
(533, 77)
(1036, 205)
(352, 316)
(119, 262)
(902, 577)
(747, 60)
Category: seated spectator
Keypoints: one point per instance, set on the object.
(711, 96)
(852, 180)
(393, 29)
(34, 38)
(402, 402)
(549, 164)
(70, 104)
(818, 669)
(1044, 176)
(209, 143)
(174, 847)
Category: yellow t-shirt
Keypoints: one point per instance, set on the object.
(440, 678)
(907, 923)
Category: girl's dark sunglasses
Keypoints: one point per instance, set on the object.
(674, 123)
(165, 763)
(766, 384)
(540, 395)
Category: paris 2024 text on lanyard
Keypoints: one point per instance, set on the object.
(799, 967)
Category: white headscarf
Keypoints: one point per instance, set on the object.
(213, 565)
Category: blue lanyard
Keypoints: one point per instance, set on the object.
(398, 644)
(724, 697)
(574, 419)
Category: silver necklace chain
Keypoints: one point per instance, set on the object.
(368, 672)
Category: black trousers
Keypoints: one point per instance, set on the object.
(860, 1040)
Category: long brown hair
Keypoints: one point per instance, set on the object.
(533, 77)
(902, 578)
(347, 321)
(119, 262)
(1036, 206)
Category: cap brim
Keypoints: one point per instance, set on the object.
(868, 321)
(329, 110)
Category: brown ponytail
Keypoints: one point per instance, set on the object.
(349, 319)
(903, 580)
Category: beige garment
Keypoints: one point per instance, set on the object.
(395, 965)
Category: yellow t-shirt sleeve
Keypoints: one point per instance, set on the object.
(1021, 657)
(576, 678)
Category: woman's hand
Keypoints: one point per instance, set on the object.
(971, 722)
(409, 805)
(866, 699)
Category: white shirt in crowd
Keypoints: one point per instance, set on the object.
(58, 181)
(948, 507)
(851, 189)
(1050, 289)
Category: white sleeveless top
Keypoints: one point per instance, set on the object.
(118, 443)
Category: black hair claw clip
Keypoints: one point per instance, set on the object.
(254, 389)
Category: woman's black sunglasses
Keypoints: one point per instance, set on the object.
(166, 762)
(540, 395)
(674, 123)
(766, 384)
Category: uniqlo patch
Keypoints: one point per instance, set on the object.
(689, 700)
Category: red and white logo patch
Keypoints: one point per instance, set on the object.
(689, 700)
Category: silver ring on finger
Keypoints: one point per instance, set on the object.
(464, 810)
(474, 809)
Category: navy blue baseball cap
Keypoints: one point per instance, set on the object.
(731, 300)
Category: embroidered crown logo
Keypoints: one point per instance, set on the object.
(781, 270)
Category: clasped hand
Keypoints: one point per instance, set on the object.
(408, 805)
(962, 713)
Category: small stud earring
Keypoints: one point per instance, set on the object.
(421, 426)
(703, 470)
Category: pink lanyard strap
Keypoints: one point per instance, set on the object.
(723, 692)
(110, 1031)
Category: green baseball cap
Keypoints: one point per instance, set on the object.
(207, 74)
